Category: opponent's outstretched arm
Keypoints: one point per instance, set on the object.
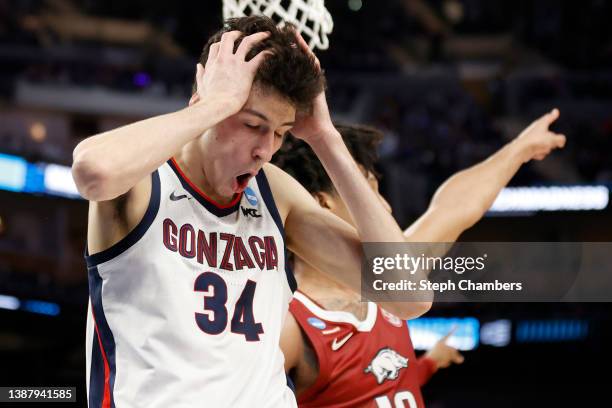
(109, 164)
(466, 196)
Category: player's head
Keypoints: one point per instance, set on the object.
(289, 72)
(288, 80)
(298, 159)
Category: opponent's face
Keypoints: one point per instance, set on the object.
(237, 148)
(336, 205)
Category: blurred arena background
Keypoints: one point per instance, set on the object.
(449, 81)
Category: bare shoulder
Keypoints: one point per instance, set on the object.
(110, 221)
(287, 192)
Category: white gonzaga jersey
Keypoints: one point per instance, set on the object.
(187, 309)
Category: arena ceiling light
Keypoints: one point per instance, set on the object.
(551, 198)
(9, 302)
(426, 331)
(20, 176)
(13, 170)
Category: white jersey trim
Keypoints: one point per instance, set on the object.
(339, 316)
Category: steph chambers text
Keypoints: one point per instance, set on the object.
(464, 285)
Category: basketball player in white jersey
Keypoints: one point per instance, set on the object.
(188, 225)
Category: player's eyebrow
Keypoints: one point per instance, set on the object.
(264, 117)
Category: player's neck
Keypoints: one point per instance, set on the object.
(326, 291)
(191, 162)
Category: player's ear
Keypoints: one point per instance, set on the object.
(194, 98)
(324, 199)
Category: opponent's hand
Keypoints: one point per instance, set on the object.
(312, 126)
(443, 354)
(227, 78)
(537, 140)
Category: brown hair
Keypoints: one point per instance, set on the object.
(290, 71)
(298, 159)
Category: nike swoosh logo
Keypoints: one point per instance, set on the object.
(174, 197)
(337, 344)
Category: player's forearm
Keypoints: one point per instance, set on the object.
(373, 222)
(109, 164)
(474, 190)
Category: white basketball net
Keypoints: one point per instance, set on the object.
(310, 17)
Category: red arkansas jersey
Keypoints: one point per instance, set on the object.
(369, 363)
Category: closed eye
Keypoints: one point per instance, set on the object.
(254, 127)
(283, 134)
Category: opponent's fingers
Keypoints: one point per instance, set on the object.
(540, 156)
(227, 41)
(258, 59)
(458, 358)
(250, 41)
(550, 117)
(560, 140)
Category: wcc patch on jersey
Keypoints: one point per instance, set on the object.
(252, 199)
(386, 365)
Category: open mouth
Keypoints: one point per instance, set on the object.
(241, 182)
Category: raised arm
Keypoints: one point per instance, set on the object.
(326, 241)
(319, 237)
(466, 196)
(109, 164)
(373, 221)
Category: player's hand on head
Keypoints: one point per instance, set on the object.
(538, 140)
(301, 42)
(228, 77)
(316, 124)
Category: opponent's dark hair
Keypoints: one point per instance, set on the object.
(290, 71)
(299, 160)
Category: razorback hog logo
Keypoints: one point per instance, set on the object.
(386, 365)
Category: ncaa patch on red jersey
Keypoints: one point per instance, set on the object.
(317, 323)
